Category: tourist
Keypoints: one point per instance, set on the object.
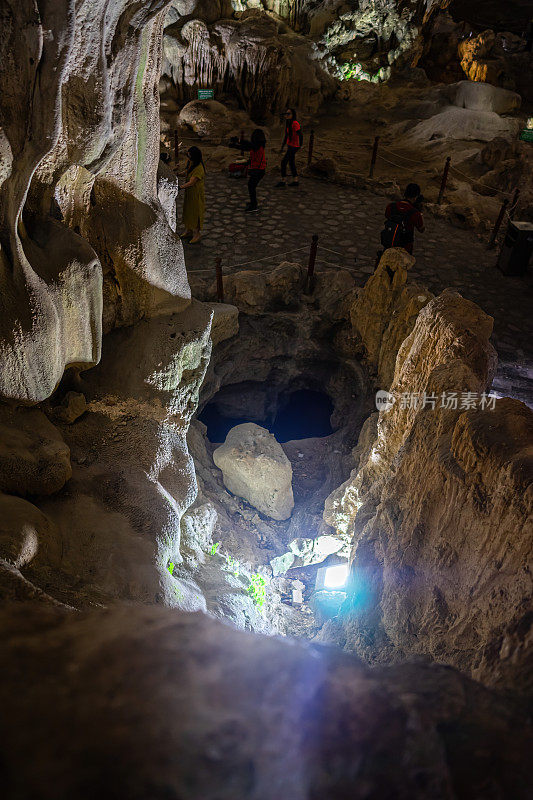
(293, 140)
(403, 217)
(194, 198)
(256, 163)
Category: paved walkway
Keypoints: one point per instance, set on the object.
(349, 222)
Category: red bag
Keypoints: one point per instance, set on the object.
(238, 169)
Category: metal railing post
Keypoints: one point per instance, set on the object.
(444, 180)
(220, 283)
(498, 223)
(374, 157)
(310, 279)
(310, 150)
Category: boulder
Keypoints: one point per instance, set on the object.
(206, 118)
(25, 532)
(253, 291)
(485, 97)
(255, 468)
(34, 459)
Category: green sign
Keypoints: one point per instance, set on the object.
(527, 135)
(205, 94)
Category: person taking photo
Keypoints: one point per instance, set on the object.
(402, 218)
(256, 163)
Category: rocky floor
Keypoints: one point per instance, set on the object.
(348, 223)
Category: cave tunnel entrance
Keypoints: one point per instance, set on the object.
(298, 414)
(305, 414)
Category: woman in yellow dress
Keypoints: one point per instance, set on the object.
(194, 199)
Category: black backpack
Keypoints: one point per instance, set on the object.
(395, 233)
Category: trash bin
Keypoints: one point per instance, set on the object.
(517, 248)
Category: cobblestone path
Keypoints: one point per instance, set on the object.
(349, 222)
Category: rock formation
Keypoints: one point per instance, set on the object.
(255, 467)
(255, 58)
(87, 155)
(201, 711)
(499, 59)
(497, 55)
(440, 506)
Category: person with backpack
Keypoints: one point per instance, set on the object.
(402, 218)
(293, 139)
(256, 163)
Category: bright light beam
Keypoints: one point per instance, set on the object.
(336, 577)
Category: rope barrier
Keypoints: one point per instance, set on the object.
(405, 158)
(266, 258)
(415, 161)
(337, 266)
(332, 251)
(392, 163)
(254, 260)
(480, 183)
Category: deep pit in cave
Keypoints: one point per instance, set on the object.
(300, 421)
(224, 573)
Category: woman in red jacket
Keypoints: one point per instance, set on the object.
(293, 140)
(256, 163)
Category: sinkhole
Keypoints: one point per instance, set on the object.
(299, 414)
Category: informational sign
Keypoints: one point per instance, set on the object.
(205, 94)
(527, 135)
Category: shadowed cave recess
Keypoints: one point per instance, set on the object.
(267, 536)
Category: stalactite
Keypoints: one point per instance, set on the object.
(249, 59)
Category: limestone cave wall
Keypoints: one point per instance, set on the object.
(440, 504)
(87, 249)
(82, 230)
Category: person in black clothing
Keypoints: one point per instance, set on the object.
(293, 139)
(256, 163)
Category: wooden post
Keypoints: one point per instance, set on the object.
(220, 283)
(242, 140)
(310, 279)
(374, 157)
(310, 150)
(514, 203)
(498, 223)
(176, 149)
(444, 180)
